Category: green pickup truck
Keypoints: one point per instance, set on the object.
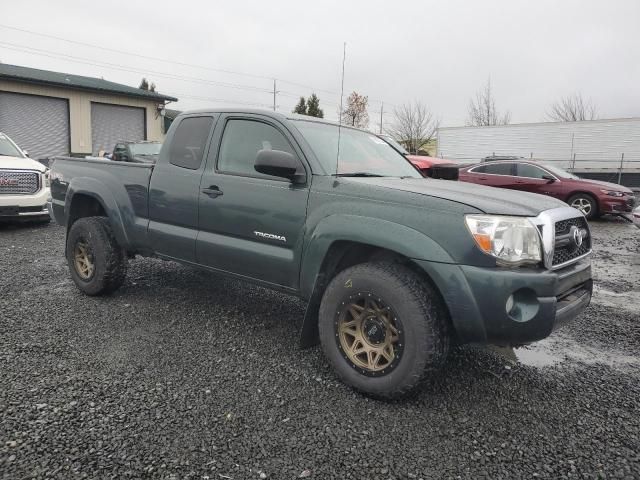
(394, 267)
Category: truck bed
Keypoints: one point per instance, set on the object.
(122, 187)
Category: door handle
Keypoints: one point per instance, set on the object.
(213, 191)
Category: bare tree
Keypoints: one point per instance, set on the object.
(355, 113)
(483, 111)
(573, 109)
(414, 126)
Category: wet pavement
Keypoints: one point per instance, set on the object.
(182, 374)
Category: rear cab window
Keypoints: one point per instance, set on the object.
(189, 142)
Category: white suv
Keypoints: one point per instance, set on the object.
(24, 184)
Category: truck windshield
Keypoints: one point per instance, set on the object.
(391, 141)
(145, 148)
(8, 148)
(361, 153)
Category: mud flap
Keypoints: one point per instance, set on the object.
(309, 335)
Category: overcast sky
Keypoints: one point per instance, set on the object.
(438, 53)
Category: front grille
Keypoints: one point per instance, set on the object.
(14, 182)
(565, 247)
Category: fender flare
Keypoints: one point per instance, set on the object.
(380, 233)
(98, 190)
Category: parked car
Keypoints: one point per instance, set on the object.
(592, 197)
(24, 184)
(635, 216)
(393, 267)
(422, 162)
(136, 152)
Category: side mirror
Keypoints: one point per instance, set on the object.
(26, 154)
(278, 164)
(549, 178)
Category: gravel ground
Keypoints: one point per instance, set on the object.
(182, 374)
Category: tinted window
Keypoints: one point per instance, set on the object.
(482, 169)
(241, 142)
(189, 142)
(530, 171)
(499, 169)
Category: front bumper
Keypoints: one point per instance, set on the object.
(510, 307)
(617, 204)
(24, 206)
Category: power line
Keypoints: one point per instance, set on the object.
(165, 60)
(116, 66)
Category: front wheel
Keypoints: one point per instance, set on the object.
(585, 203)
(383, 328)
(97, 264)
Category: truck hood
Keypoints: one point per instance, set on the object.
(17, 163)
(490, 200)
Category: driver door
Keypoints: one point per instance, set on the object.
(249, 223)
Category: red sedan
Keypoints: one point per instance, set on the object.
(592, 197)
(421, 162)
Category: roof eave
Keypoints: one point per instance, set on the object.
(156, 97)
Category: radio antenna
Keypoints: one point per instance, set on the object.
(344, 56)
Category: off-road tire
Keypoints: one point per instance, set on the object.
(109, 259)
(415, 302)
(585, 197)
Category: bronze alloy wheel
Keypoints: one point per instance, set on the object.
(83, 260)
(369, 335)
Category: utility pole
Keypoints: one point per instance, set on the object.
(381, 113)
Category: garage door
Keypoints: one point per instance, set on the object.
(37, 124)
(111, 124)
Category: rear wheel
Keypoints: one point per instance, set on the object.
(585, 203)
(97, 264)
(382, 328)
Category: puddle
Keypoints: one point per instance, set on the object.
(558, 351)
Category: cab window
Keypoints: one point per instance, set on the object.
(189, 142)
(241, 142)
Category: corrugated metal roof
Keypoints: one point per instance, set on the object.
(46, 77)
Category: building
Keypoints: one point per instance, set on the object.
(51, 113)
(594, 145)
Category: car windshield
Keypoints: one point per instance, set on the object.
(361, 153)
(558, 172)
(391, 141)
(8, 148)
(145, 148)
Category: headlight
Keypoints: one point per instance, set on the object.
(47, 180)
(512, 240)
(613, 193)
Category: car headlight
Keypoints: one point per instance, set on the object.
(511, 240)
(47, 180)
(613, 193)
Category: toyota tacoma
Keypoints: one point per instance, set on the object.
(394, 267)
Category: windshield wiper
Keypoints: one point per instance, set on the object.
(359, 174)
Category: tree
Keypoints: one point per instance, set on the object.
(414, 125)
(482, 109)
(573, 109)
(301, 107)
(145, 85)
(355, 114)
(313, 106)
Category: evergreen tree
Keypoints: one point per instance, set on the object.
(313, 107)
(301, 107)
(144, 84)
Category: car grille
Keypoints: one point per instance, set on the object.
(565, 247)
(18, 182)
